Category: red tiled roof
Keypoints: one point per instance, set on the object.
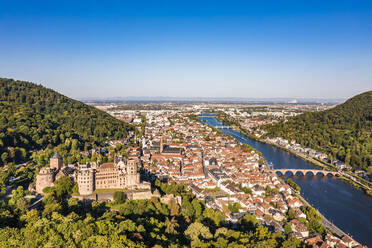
(107, 166)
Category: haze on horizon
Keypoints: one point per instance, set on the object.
(260, 49)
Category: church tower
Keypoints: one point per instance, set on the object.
(161, 145)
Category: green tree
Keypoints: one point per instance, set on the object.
(262, 233)
(63, 186)
(187, 209)
(293, 243)
(119, 197)
(293, 184)
(287, 229)
(197, 208)
(171, 225)
(291, 214)
(214, 215)
(197, 230)
(248, 222)
(17, 201)
(4, 157)
(234, 207)
(3, 181)
(75, 189)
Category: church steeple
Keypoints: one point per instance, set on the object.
(161, 145)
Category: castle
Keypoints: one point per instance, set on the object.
(120, 174)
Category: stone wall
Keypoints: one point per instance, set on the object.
(139, 195)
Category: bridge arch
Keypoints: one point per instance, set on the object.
(332, 174)
(298, 173)
(310, 173)
(279, 173)
(320, 173)
(289, 173)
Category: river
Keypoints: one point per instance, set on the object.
(348, 208)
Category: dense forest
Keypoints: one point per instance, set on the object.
(33, 117)
(66, 222)
(343, 132)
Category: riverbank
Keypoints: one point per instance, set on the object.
(344, 176)
(303, 156)
(325, 222)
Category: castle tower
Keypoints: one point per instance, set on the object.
(131, 167)
(44, 179)
(56, 162)
(132, 176)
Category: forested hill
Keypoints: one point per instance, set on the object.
(343, 132)
(33, 117)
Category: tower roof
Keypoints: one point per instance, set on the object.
(56, 155)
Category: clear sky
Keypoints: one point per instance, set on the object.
(202, 48)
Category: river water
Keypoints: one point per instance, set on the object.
(348, 208)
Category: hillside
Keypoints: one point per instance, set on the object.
(34, 117)
(343, 132)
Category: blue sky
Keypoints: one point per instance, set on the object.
(87, 49)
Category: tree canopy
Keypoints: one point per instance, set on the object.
(343, 132)
(64, 222)
(34, 117)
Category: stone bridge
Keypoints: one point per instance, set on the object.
(306, 172)
(224, 127)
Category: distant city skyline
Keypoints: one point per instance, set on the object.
(183, 49)
(163, 99)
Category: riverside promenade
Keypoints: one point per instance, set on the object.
(325, 222)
